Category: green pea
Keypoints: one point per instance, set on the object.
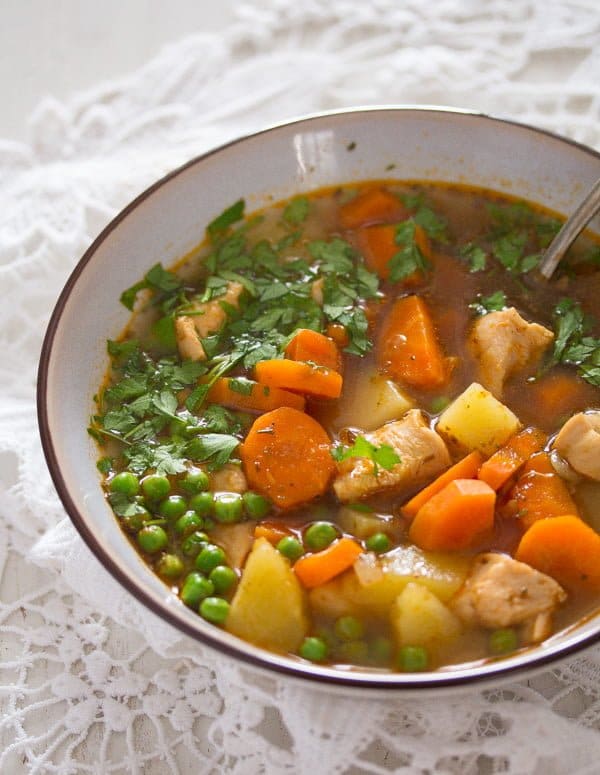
(256, 506)
(210, 556)
(223, 578)
(191, 545)
(319, 535)
(203, 504)
(195, 588)
(170, 566)
(152, 538)
(503, 640)
(156, 487)
(188, 522)
(355, 652)
(173, 507)
(228, 507)
(381, 649)
(195, 481)
(413, 659)
(125, 483)
(214, 609)
(314, 649)
(378, 543)
(349, 628)
(290, 547)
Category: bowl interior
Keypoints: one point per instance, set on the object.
(169, 219)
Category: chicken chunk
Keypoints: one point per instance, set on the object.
(579, 443)
(501, 592)
(207, 318)
(503, 343)
(422, 453)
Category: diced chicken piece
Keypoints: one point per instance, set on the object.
(578, 442)
(316, 291)
(207, 318)
(230, 478)
(188, 342)
(537, 629)
(501, 592)
(503, 343)
(422, 453)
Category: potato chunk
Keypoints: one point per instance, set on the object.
(383, 397)
(442, 575)
(269, 606)
(476, 420)
(419, 618)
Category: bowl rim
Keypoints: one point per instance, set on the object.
(268, 662)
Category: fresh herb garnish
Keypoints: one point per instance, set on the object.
(214, 449)
(296, 210)
(409, 258)
(495, 302)
(572, 345)
(475, 255)
(383, 456)
(434, 226)
(158, 279)
(227, 218)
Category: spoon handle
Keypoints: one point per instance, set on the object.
(569, 231)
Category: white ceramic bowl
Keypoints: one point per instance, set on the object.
(169, 219)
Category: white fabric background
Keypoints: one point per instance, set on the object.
(89, 681)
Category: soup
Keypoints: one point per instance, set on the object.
(357, 429)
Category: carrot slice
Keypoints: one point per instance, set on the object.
(408, 348)
(315, 569)
(456, 518)
(308, 345)
(560, 394)
(540, 492)
(565, 548)
(372, 206)
(286, 456)
(378, 246)
(466, 468)
(299, 377)
(249, 396)
(504, 463)
(273, 533)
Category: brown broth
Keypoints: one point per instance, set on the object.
(448, 289)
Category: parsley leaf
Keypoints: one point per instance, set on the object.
(228, 217)
(158, 279)
(495, 302)
(409, 258)
(214, 449)
(571, 345)
(296, 210)
(475, 255)
(383, 456)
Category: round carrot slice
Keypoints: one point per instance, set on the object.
(286, 457)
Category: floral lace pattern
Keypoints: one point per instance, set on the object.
(90, 681)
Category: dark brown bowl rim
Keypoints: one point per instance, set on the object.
(491, 673)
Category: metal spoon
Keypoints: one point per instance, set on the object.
(584, 213)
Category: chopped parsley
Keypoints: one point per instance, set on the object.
(475, 256)
(495, 302)
(409, 258)
(572, 344)
(296, 210)
(227, 218)
(383, 456)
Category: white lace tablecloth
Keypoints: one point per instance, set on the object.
(90, 681)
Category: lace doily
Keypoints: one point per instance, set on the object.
(92, 682)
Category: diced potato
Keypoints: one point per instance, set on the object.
(269, 606)
(442, 575)
(384, 399)
(419, 618)
(363, 524)
(476, 420)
